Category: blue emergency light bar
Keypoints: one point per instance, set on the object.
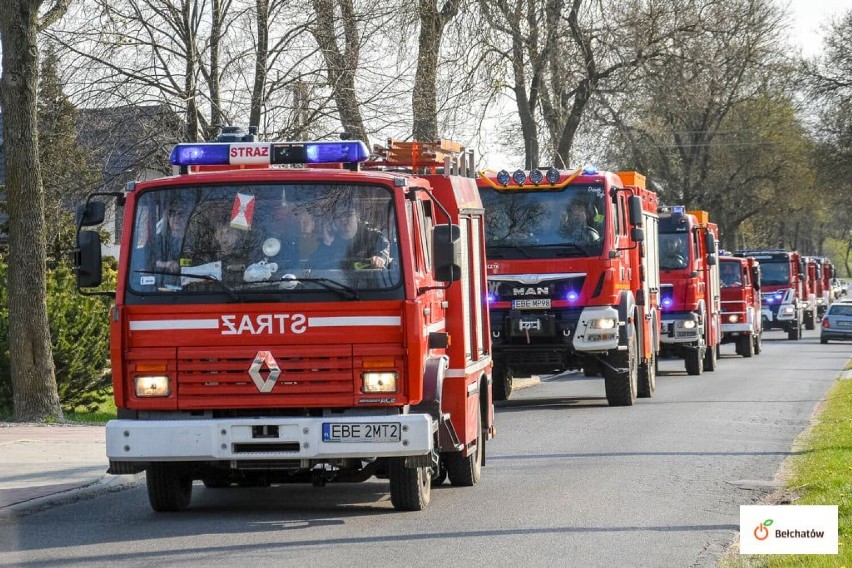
(239, 153)
(678, 209)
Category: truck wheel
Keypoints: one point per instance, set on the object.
(647, 377)
(693, 363)
(745, 346)
(410, 487)
(710, 358)
(169, 487)
(810, 320)
(466, 471)
(439, 476)
(795, 332)
(501, 387)
(621, 386)
(758, 343)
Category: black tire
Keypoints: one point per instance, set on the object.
(810, 320)
(795, 333)
(758, 343)
(745, 346)
(621, 386)
(693, 363)
(466, 471)
(823, 341)
(710, 358)
(410, 487)
(503, 383)
(647, 378)
(169, 487)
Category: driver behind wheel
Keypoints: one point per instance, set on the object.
(347, 242)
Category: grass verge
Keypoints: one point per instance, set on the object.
(820, 474)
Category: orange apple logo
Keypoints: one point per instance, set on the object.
(760, 531)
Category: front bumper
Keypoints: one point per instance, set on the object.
(680, 328)
(737, 328)
(237, 439)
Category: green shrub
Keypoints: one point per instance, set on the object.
(79, 332)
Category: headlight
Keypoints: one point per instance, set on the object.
(378, 381)
(820, 301)
(788, 310)
(687, 324)
(733, 318)
(602, 323)
(149, 387)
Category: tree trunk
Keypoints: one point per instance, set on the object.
(424, 98)
(260, 62)
(35, 395)
(341, 66)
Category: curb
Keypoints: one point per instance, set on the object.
(106, 484)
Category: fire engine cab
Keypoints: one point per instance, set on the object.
(783, 289)
(573, 280)
(277, 323)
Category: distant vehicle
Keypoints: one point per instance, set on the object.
(837, 323)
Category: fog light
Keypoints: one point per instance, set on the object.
(373, 381)
(149, 387)
(733, 318)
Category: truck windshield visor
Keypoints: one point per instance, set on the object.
(329, 240)
(542, 223)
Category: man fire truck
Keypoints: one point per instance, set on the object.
(782, 294)
(243, 352)
(741, 321)
(573, 277)
(689, 288)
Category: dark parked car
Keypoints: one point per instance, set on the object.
(837, 322)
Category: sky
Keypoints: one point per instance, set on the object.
(810, 18)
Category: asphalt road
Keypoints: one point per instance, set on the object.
(569, 482)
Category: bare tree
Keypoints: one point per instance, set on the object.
(424, 96)
(35, 395)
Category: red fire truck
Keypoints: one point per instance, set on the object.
(276, 323)
(690, 289)
(811, 291)
(741, 321)
(782, 292)
(573, 277)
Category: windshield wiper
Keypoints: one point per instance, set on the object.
(518, 248)
(345, 292)
(583, 250)
(228, 290)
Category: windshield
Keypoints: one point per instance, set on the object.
(774, 273)
(542, 223)
(329, 239)
(674, 250)
(730, 273)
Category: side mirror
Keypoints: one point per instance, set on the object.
(91, 213)
(446, 253)
(755, 277)
(87, 261)
(634, 206)
(710, 243)
(711, 259)
(637, 234)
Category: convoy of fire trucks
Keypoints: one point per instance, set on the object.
(314, 312)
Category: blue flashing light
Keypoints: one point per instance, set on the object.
(572, 296)
(552, 176)
(779, 295)
(589, 170)
(678, 209)
(490, 298)
(348, 151)
(209, 154)
(536, 176)
(667, 302)
(503, 177)
(519, 177)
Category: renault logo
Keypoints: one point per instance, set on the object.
(264, 358)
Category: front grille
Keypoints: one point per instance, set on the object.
(309, 376)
